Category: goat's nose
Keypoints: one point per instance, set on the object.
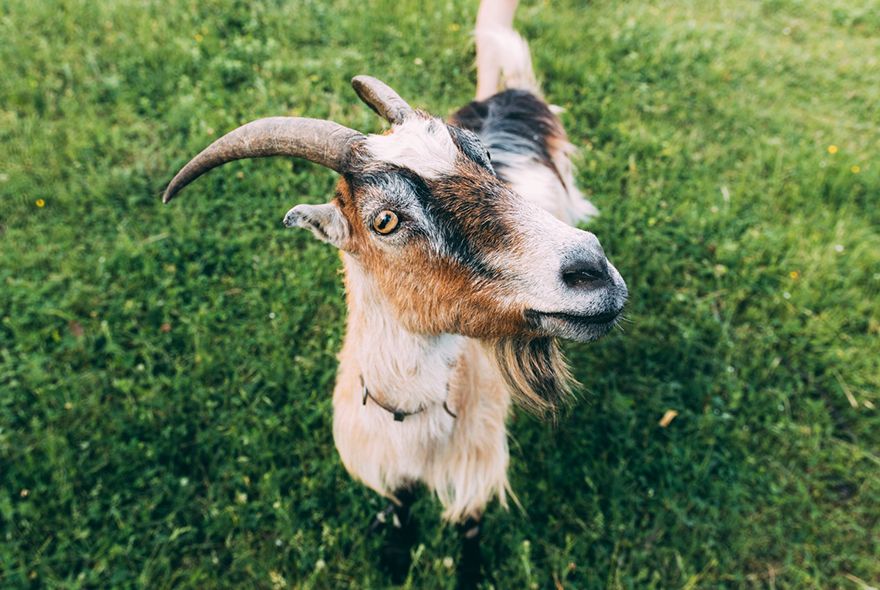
(589, 273)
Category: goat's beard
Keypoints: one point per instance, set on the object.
(536, 373)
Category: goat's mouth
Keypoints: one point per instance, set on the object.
(580, 327)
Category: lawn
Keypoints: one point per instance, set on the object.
(165, 371)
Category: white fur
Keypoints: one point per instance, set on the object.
(540, 186)
(421, 144)
(506, 59)
(493, 17)
(461, 460)
(575, 207)
(534, 267)
(407, 370)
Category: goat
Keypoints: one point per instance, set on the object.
(461, 271)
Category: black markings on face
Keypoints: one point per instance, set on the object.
(460, 215)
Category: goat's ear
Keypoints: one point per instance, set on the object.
(326, 221)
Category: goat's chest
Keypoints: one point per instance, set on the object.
(380, 451)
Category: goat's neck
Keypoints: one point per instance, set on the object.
(401, 368)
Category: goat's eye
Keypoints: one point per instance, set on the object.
(385, 222)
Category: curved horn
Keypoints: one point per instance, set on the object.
(381, 98)
(323, 142)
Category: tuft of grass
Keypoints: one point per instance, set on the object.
(165, 372)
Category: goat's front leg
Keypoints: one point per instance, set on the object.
(400, 535)
(470, 562)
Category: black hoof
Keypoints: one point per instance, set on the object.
(470, 564)
(400, 533)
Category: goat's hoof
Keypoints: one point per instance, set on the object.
(395, 560)
(400, 535)
(469, 572)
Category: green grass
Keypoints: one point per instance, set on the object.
(165, 372)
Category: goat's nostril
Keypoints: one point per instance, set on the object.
(586, 273)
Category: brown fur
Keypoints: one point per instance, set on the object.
(435, 295)
(535, 371)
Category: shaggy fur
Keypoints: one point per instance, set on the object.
(535, 372)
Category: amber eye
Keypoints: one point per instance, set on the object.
(385, 222)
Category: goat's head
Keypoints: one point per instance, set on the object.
(420, 209)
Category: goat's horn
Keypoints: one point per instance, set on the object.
(323, 142)
(381, 98)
